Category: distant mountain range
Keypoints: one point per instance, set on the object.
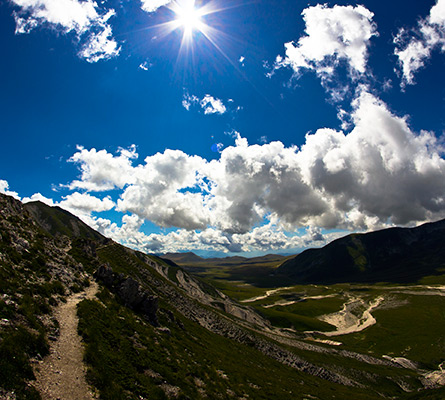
(400, 255)
(192, 258)
(390, 255)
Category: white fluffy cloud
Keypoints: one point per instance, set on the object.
(255, 197)
(380, 173)
(265, 238)
(101, 171)
(189, 100)
(39, 197)
(332, 35)
(163, 191)
(4, 188)
(146, 65)
(153, 5)
(80, 17)
(85, 203)
(437, 13)
(414, 47)
(209, 104)
(80, 204)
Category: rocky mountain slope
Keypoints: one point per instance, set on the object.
(391, 255)
(155, 331)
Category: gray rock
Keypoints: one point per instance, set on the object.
(130, 292)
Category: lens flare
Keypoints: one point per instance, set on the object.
(189, 17)
(196, 20)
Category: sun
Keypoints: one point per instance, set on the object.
(195, 19)
(188, 17)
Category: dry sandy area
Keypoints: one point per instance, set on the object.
(347, 321)
(265, 296)
(61, 374)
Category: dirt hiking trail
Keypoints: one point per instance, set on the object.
(61, 374)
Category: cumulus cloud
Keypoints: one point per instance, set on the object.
(379, 174)
(102, 171)
(39, 197)
(4, 188)
(209, 104)
(81, 17)
(414, 47)
(256, 197)
(340, 33)
(152, 5)
(381, 171)
(79, 204)
(85, 203)
(163, 191)
(265, 238)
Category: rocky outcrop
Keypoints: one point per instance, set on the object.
(130, 292)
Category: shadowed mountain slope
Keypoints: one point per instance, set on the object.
(57, 221)
(391, 255)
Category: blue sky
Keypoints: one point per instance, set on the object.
(225, 127)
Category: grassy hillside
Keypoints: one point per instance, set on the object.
(57, 221)
(35, 275)
(257, 270)
(402, 255)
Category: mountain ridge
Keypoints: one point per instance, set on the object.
(393, 254)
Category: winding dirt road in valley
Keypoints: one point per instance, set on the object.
(61, 374)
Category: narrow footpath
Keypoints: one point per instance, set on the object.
(61, 374)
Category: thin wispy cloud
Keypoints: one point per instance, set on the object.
(152, 5)
(84, 18)
(145, 66)
(414, 47)
(209, 104)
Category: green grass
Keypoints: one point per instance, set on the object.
(16, 347)
(301, 315)
(122, 261)
(128, 358)
(259, 274)
(411, 327)
(237, 290)
(281, 317)
(433, 280)
(412, 330)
